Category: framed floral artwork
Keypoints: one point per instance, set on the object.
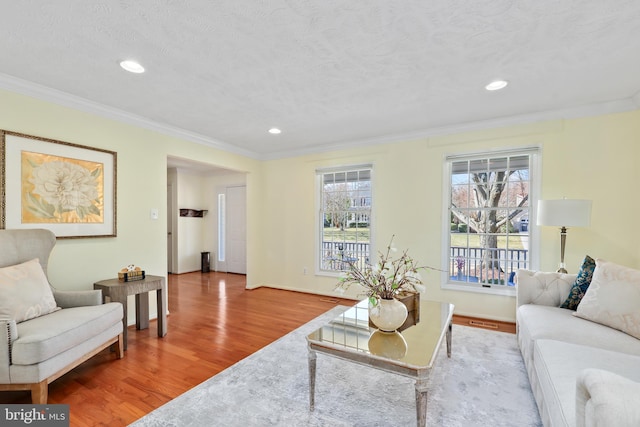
(67, 188)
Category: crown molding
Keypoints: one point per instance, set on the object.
(55, 96)
(35, 90)
(610, 107)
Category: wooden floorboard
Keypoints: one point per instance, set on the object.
(214, 322)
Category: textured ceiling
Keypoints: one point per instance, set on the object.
(329, 73)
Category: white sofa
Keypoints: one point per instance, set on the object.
(582, 373)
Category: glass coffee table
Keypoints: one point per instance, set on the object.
(411, 351)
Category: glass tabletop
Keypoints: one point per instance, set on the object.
(415, 346)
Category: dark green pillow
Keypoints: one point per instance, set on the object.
(581, 284)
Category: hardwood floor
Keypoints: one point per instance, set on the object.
(213, 323)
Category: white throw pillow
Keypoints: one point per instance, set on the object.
(25, 292)
(613, 298)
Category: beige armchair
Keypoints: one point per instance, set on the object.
(45, 332)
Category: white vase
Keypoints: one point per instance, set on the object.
(388, 315)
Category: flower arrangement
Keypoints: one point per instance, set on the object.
(460, 264)
(385, 279)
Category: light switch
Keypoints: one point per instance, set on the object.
(154, 213)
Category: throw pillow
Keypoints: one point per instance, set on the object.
(613, 298)
(581, 284)
(25, 292)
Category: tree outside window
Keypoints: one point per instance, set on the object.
(345, 218)
(488, 213)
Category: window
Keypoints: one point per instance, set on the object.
(344, 219)
(488, 209)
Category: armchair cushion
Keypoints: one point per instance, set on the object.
(25, 292)
(613, 298)
(40, 339)
(68, 299)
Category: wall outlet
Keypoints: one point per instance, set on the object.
(154, 213)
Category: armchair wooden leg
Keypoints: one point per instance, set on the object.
(39, 393)
(119, 347)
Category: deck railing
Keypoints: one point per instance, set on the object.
(499, 266)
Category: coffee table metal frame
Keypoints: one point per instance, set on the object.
(420, 373)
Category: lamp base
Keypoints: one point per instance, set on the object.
(561, 268)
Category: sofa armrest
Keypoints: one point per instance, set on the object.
(68, 299)
(606, 399)
(542, 288)
(8, 334)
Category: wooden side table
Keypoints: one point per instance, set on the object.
(114, 290)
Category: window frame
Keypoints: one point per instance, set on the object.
(535, 169)
(319, 217)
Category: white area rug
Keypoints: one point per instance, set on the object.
(484, 383)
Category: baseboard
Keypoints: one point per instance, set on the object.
(477, 322)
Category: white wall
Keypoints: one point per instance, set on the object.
(595, 158)
(141, 185)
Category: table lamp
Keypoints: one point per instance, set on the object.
(564, 213)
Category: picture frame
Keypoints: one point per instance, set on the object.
(67, 188)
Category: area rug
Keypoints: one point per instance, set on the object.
(484, 383)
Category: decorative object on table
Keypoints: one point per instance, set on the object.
(388, 314)
(130, 273)
(564, 213)
(383, 283)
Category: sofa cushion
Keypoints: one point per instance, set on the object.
(25, 292)
(558, 364)
(544, 288)
(580, 286)
(44, 337)
(542, 322)
(613, 298)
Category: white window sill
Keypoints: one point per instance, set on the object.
(493, 290)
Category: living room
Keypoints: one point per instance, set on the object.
(590, 151)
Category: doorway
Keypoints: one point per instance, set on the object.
(236, 229)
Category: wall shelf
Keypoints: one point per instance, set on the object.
(193, 213)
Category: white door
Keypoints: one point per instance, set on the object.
(169, 228)
(236, 241)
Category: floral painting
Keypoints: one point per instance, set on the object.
(68, 188)
(61, 190)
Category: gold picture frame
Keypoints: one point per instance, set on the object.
(67, 188)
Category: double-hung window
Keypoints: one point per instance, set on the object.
(488, 207)
(344, 219)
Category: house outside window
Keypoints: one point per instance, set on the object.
(489, 199)
(344, 218)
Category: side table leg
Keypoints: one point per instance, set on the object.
(312, 379)
(142, 310)
(421, 402)
(125, 321)
(449, 332)
(162, 312)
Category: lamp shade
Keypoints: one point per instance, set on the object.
(564, 213)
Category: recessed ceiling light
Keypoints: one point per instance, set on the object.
(132, 66)
(496, 85)
(274, 131)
